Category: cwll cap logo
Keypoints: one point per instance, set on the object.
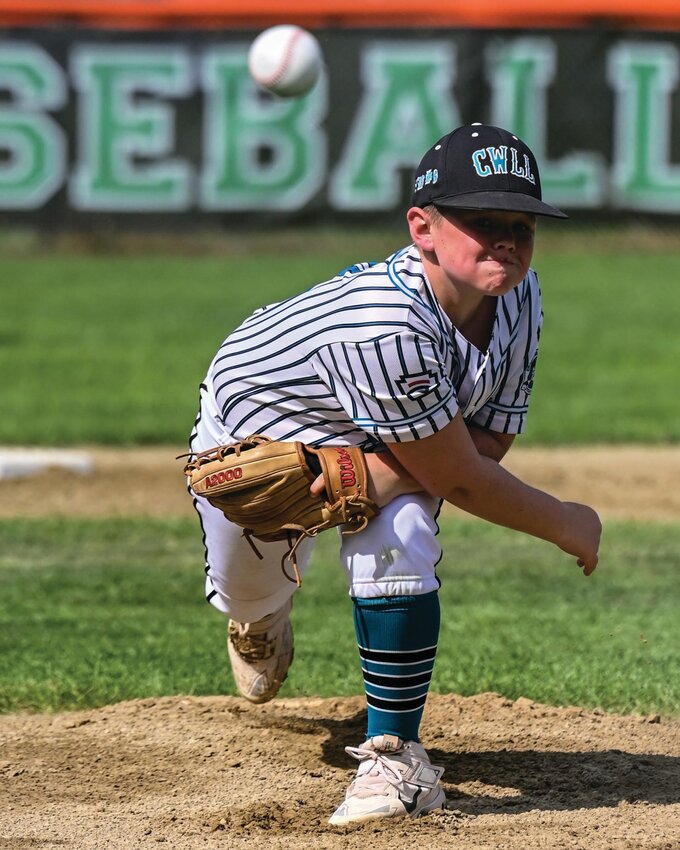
(502, 160)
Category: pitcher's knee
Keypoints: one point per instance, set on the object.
(249, 610)
(396, 555)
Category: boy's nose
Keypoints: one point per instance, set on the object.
(504, 238)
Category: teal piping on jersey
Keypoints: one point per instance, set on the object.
(355, 268)
(409, 420)
(402, 287)
(394, 277)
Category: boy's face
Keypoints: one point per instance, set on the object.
(486, 250)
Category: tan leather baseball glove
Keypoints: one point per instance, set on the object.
(263, 486)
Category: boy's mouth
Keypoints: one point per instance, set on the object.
(503, 261)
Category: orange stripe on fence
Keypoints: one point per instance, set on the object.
(487, 13)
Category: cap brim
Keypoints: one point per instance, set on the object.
(510, 201)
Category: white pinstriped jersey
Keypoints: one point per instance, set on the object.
(369, 357)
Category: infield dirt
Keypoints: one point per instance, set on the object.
(218, 772)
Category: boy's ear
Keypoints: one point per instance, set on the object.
(420, 227)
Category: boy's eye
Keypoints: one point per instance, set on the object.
(521, 228)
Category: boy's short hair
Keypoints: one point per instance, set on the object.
(434, 214)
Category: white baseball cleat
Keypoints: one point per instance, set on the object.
(394, 780)
(261, 653)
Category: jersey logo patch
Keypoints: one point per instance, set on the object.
(418, 385)
(528, 376)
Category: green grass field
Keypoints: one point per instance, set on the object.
(92, 612)
(111, 348)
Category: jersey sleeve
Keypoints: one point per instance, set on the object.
(395, 386)
(506, 410)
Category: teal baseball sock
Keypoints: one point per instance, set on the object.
(397, 639)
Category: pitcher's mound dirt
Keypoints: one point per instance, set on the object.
(218, 772)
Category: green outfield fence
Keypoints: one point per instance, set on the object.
(140, 115)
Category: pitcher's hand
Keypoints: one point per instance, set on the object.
(582, 532)
(387, 479)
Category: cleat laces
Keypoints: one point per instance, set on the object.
(251, 647)
(371, 780)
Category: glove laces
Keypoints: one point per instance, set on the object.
(298, 533)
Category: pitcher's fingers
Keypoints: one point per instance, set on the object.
(588, 568)
(317, 487)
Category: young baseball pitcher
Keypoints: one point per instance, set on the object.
(426, 362)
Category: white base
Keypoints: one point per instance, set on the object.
(21, 462)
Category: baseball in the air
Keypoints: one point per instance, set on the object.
(285, 60)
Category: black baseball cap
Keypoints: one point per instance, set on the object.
(481, 167)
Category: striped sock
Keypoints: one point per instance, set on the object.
(397, 639)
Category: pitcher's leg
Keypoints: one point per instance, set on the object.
(257, 597)
(238, 583)
(397, 638)
(398, 551)
(391, 568)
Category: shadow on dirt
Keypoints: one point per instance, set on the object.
(551, 780)
(558, 780)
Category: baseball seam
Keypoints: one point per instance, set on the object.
(276, 76)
